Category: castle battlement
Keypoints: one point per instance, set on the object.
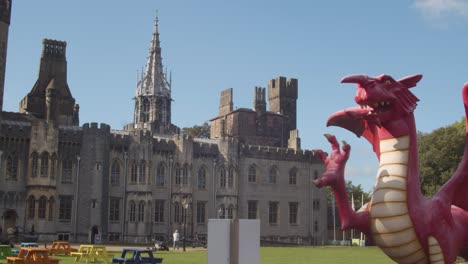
(92, 128)
(15, 129)
(275, 153)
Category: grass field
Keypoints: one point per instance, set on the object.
(278, 255)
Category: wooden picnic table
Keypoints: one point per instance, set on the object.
(92, 253)
(15, 251)
(32, 255)
(63, 247)
(136, 256)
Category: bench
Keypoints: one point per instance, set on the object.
(54, 260)
(15, 260)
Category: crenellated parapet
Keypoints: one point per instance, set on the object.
(163, 146)
(54, 48)
(205, 150)
(274, 153)
(93, 128)
(70, 134)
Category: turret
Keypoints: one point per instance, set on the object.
(153, 93)
(51, 83)
(225, 102)
(259, 101)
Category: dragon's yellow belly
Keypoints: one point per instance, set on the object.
(391, 225)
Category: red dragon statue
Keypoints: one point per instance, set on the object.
(408, 227)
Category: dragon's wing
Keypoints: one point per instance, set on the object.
(453, 192)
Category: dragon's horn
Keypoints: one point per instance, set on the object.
(359, 79)
(410, 81)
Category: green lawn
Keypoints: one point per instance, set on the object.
(277, 255)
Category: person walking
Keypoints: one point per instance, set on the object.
(176, 238)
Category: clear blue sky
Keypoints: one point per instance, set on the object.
(212, 45)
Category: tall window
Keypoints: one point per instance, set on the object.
(159, 211)
(230, 178)
(12, 167)
(273, 212)
(160, 174)
(293, 176)
(31, 206)
(41, 213)
(252, 209)
(131, 212)
(230, 212)
(145, 111)
(141, 211)
(222, 177)
(316, 204)
(177, 215)
(67, 168)
(202, 178)
(51, 208)
(316, 226)
(252, 173)
(45, 164)
(133, 173)
(142, 172)
(315, 174)
(273, 175)
(114, 209)
(34, 164)
(178, 179)
(115, 173)
(65, 208)
(185, 175)
(201, 212)
(293, 210)
(222, 211)
(53, 166)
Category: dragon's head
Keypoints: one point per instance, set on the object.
(381, 99)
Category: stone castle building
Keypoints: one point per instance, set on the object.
(60, 180)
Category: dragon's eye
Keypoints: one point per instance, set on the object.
(387, 82)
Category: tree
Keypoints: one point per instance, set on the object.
(202, 131)
(353, 191)
(440, 152)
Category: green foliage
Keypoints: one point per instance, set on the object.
(440, 152)
(353, 191)
(202, 131)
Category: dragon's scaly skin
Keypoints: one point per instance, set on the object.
(405, 225)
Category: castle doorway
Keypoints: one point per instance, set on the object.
(9, 224)
(95, 238)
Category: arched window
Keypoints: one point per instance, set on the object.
(177, 215)
(53, 166)
(230, 177)
(67, 168)
(45, 164)
(160, 174)
(131, 212)
(12, 167)
(178, 179)
(31, 206)
(185, 175)
(202, 178)
(230, 212)
(34, 164)
(293, 176)
(51, 208)
(145, 111)
(222, 211)
(222, 177)
(115, 173)
(142, 176)
(252, 173)
(273, 175)
(41, 213)
(141, 211)
(133, 173)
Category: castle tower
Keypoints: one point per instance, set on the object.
(282, 96)
(5, 14)
(259, 100)
(153, 92)
(50, 98)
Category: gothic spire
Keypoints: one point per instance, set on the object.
(153, 81)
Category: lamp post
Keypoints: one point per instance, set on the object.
(185, 205)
